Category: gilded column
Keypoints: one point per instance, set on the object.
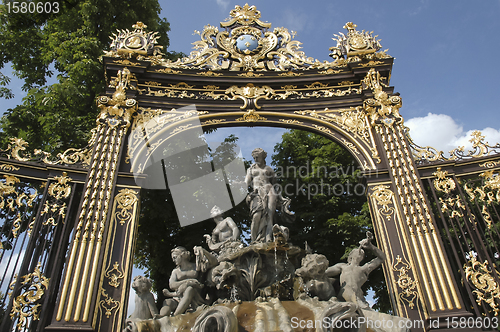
(417, 240)
(80, 285)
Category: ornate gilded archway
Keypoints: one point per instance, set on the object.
(247, 74)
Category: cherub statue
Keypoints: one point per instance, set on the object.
(353, 275)
(225, 231)
(184, 283)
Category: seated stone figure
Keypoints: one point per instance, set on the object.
(184, 283)
(225, 231)
(353, 275)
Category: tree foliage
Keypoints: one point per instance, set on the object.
(67, 45)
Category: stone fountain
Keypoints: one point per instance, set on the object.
(269, 285)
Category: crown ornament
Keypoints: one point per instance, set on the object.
(356, 45)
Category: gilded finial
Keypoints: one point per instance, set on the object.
(139, 26)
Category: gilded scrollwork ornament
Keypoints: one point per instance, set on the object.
(55, 206)
(250, 93)
(114, 275)
(489, 191)
(26, 306)
(482, 278)
(118, 110)
(490, 164)
(125, 200)
(8, 168)
(453, 206)
(353, 120)
(480, 149)
(382, 109)
(137, 44)
(12, 198)
(17, 150)
(244, 43)
(383, 197)
(404, 281)
(251, 116)
(108, 304)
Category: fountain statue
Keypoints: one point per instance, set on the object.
(269, 285)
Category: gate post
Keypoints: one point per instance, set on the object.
(97, 276)
(418, 271)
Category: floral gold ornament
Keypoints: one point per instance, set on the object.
(17, 150)
(12, 198)
(251, 116)
(453, 206)
(134, 44)
(60, 189)
(206, 73)
(114, 275)
(291, 74)
(405, 282)
(55, 207)
(482, 278)
(443, 183)
(372, 63)
(329, 71)
(353, 119)
(26, 306)
(250, 74)
(171, 71)
(108, 304)
(126, 200)
(250, 93)
(489, 191)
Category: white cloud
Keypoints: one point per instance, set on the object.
(441, 132)
(295, 21)
(223, 4)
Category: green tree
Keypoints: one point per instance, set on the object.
(68, 45)
(322, 179)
